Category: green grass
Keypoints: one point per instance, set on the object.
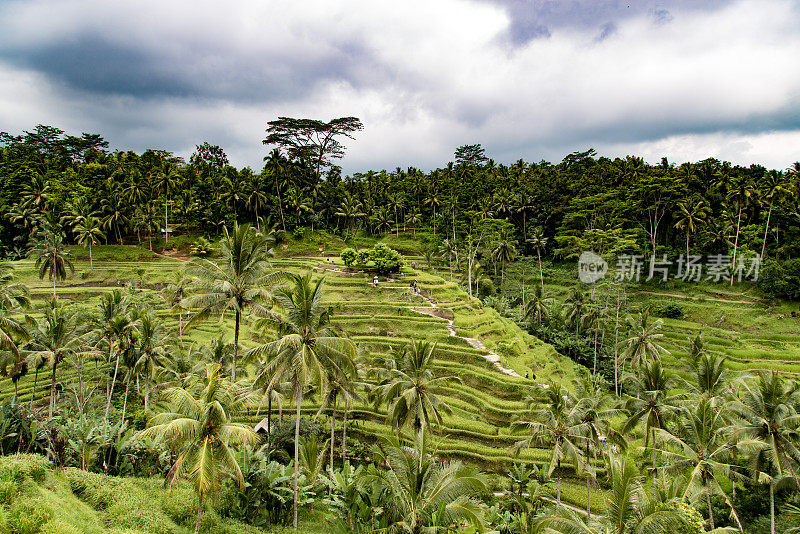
(36, 498)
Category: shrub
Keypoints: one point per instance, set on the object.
(348, 256)
(780, 279)
(670, 311)
(385, 259)
(202, 247)
(486, 288)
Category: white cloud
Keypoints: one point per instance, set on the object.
(424, 77)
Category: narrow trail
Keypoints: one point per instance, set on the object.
(431, 310)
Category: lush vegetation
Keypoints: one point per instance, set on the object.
(409, 410)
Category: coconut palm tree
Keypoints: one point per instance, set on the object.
(629, 510)
(555, 422)
(200, 425)
(700, 446)
(537, 307)
(425, 495)
(152, 345)
(167, 181)
(652, 404)
(409, 388)
(13, 297)
(308, 347)
(773, 188)
(691, 215)
(538, 241)
(88, 233)
(52, 258)
(576, 308)
(767, 405)
(276, 165)
(504, 251)
(174, 294)
(741, 193)
(234, 285)
(59, 334)
(112, 326)
(642, 345)
(595, 410)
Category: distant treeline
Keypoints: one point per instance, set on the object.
(585, 202)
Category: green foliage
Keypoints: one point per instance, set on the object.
(781, 278)
(380, 258)
(348, 256)
(202, 248)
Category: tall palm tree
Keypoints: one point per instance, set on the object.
(13, 298)
(629, 510)
(538, 241)
(652, 404)
(773, 189)
(448, 249)
(768, 409)
(741, 194)
(595, 409)
(200, 425)
(52, 258)
(576, 308)
(701, 447)
(537, 307)
(237, 284)
(424, 495)
(174, 294)
(691, 215)
(308, 347)
(152, 347)
(59, 334)
(112, 326)
(555, 422)
(642, 343)
(504, 251)
(409, 388)
(166, 181)
(88, 233)
(276, 165)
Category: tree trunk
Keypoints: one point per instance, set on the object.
(91, 264)
(199, 512)
(559, 490)
(280, 205)
(35, 381)
(269, 415)
(52, 390)
(296, 452)
(344, 430)
(111, 391)
(53, 273)
(146, 393)
(772, 507)
(588, 489)
(235, 345)
(708, 502)
(125, 402)
(541, 274)
(333, 428)
(766, 231)
(654, 460)
(616, 349)
(736, 243)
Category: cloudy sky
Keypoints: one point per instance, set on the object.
(687, 79)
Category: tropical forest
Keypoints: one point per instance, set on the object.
(592, 345)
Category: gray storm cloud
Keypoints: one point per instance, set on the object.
(526, 79)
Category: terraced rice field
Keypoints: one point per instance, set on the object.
(736, 322)
(377, 319)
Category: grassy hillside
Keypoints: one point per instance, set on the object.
(36, 498)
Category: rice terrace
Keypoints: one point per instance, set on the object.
(296, 294)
